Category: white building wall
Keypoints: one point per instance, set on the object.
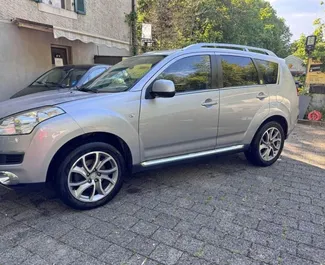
(25, 54)
(103, 17)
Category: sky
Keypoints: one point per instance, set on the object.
(299, 14)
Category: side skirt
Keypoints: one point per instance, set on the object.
(180, 158)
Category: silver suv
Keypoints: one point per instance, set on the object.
(148, 110)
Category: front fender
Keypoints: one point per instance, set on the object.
(108, 121)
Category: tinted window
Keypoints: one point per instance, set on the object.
(73, 77)
(66, 77)
(269, 71)
(189, 74)
(238, 71)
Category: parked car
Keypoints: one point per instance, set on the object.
(152, 109)
(64, 77)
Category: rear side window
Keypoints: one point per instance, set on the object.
(269, 71)
(238, 71)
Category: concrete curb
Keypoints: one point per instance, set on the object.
(312, 123)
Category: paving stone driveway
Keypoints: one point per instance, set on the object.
(217, 211)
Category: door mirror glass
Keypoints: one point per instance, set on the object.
(163, 88)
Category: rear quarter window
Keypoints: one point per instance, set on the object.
(269, 71)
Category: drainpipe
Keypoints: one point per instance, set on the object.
(134, 31)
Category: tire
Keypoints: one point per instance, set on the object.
(87, 178)
(255, 156)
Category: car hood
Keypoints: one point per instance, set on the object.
(37, 89)
(48, 98)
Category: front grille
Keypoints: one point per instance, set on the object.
(11, 159)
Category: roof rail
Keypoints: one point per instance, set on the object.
(231, 46)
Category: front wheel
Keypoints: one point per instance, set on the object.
(90, 176)
(267, 145)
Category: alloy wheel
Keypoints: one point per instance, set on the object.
(270, 144)
(93, 176)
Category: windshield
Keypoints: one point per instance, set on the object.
(63, 77)
(123, 75)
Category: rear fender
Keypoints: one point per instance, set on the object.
(276, 109)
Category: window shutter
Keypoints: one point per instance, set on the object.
(80, 7)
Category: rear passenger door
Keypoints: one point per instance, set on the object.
(243, 96)
(269, 72)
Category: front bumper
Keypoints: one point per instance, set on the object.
(39, 148)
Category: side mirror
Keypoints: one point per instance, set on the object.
(163, 88)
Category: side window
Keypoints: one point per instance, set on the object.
(269, 71)
(189, 74)
(238, 71)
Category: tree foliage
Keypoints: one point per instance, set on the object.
(298, 47)
(177, 23)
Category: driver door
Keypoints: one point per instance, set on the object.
(186, 123)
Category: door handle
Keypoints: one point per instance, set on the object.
(209, 102)
(261, 96)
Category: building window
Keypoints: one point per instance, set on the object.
(55, 3)
(78, 6)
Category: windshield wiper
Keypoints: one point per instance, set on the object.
(84, 89)
(41, 83)
(54, 84)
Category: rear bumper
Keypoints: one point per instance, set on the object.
(292, 127)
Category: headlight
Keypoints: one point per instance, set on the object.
(25, 122)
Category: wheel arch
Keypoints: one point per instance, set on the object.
(105, 137)
(277, 118)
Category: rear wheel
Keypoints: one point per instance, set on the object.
(90, 176)
(267, 145)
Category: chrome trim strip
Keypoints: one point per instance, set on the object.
(192, 155)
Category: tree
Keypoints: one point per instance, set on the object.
(298, 47)
(177, 23)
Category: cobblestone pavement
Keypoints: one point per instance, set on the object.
(216, 211)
